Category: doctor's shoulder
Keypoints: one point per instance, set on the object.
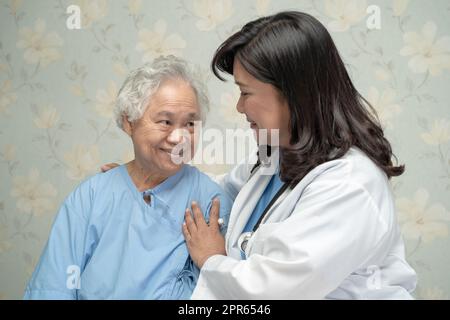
(361, 170)
(355, 171)
(350, 191)
(353, 167)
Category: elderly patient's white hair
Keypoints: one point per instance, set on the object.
(142, 83)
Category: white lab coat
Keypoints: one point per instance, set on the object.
(334, 236)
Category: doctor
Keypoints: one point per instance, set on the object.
(323, 226)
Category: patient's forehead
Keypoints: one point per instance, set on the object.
(174, 96)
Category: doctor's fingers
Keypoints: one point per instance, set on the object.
(198, 216)
(189, 221)
(109, 166)
(186, 234)
(214, 214)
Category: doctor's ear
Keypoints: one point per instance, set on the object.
(127, 125)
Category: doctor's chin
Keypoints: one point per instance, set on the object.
(224, 150)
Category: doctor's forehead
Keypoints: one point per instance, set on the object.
(241, 76)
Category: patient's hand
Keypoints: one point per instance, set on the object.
(203, 240)
(109, 166)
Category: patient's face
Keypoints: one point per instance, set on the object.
(167, 122)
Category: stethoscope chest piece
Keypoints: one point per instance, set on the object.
(243, 240)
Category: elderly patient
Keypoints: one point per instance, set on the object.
(118, 235)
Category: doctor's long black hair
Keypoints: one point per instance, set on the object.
(295, 53)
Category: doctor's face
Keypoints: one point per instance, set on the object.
(262, 104)
(167, 122)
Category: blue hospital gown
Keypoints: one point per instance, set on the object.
(123, 247)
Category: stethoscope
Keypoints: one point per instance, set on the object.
(246, 236)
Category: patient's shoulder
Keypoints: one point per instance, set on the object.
(97, 183)
(202, 179)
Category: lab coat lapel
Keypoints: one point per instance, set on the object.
(243, 207)
(245, 203)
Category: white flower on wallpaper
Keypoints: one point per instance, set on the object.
(419, 220)
(382, 74)
(262, 7)
(399, 7)
(134, 6)
(47, 117)
(40, 47)
(211, 13)
(433, 293)
(77, 90)
(344, 13)
(429, 54)
(7, 96)
(153, 43)
(33, 195)
(119, 69)
(106, 99)
(3, 67)
(81, 161)
(92, 11)
(5, 244)
(9, 152)
(228, 112)
(438, 134)
(15, 5)
(385, 104)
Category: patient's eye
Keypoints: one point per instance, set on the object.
(165, 122)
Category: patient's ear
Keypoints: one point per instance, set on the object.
(127, 125)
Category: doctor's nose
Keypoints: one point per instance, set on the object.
(240, 106)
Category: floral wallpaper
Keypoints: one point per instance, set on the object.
(58, 82)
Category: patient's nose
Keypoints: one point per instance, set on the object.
(178, 136)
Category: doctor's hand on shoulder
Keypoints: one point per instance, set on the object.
(203, 241)
(108, 166)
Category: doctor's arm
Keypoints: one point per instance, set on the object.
(331, 233)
